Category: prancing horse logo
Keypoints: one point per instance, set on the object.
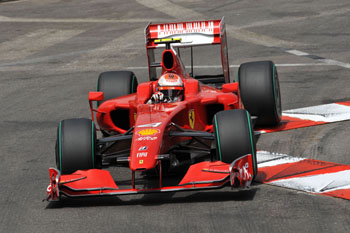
(191, 117)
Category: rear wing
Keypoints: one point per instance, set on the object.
(194, 33)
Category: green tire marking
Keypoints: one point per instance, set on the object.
(92, 145)
(60, 146)
(217, 136)
(251, 142)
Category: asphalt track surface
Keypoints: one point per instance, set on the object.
(51, 52)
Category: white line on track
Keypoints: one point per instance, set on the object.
(86, 20)
(336, 63)
(324, 60)
(297, 52)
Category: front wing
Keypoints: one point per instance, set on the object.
(204, 175)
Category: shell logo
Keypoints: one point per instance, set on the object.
(148, 132)
(171, 77)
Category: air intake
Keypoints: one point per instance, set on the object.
(168, 60)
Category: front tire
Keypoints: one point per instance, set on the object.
(76, 145)
(260, 91)
(234, 136)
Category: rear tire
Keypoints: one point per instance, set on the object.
(76, 145)
(114, 84)
(260, 91)
(234, 136)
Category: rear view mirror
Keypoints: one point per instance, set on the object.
(96, 96)
(230, 87)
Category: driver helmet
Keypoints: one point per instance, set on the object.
(171, 86)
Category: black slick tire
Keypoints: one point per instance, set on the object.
(234, 136)
(116, 83)
(260, 91)
(76, 145)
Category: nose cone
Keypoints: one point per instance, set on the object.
(145, 148)
(150, 126)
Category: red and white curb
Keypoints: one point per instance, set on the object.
(309, 175)
(311, 116)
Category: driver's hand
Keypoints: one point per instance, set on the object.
(157, 97)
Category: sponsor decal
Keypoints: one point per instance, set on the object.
(191, 118)
(147, 138)
(206, 27)
(171, 77)
(170, 80)
(242, 174)
(148, 132)
(142, 148)
(154, 125)
(141, 161)
(49, 189)
(141, 154)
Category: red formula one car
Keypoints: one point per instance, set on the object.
(198, 124)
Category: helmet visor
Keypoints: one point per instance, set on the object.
(172, 95)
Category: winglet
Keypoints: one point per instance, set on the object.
(52, 191)
(241, 172)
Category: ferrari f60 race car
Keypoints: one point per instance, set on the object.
(202, 125)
